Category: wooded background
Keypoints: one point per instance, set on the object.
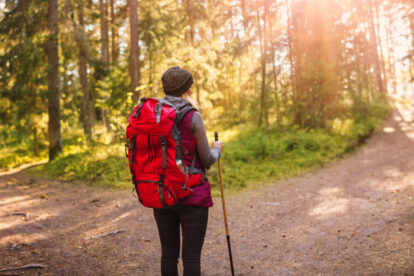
(82, 64)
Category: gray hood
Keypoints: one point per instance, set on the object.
(178, 102)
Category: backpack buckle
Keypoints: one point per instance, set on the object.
(158, 109)
(163, 140)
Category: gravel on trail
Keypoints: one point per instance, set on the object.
(353, 217)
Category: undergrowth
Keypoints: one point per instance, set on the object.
(252, 156)
(15, 150)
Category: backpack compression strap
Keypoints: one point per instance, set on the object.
(138, 111)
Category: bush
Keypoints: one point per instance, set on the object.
(257, 155)
(14, 152)
(252, 156)
(99, 164)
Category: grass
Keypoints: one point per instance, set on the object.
(15, 152)
(252, 156)
(13, 157)
(97, 163)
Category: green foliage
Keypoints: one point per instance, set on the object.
(320, 81)
(258, 156)
(12, 157)
(252, 157)
(367, 117)
(14, 150)
(119, 103)
(98, 164)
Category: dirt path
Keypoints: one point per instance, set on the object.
(355, 217)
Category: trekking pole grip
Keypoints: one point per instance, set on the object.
(215, 135)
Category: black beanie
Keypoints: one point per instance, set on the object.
(176, 81)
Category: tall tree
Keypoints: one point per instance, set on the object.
(134, 49)
(83, 46)
(103, 8)
(114, 45)
(189, 8)
(275, 71)
(103, 12)
(290, 26)
(374, 48)
(263, 112)
(390, 60)
(314, 44)
(55, 139)
(379, 42)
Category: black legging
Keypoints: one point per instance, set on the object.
(193, 221)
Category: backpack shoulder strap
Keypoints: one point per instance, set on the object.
(184, 112)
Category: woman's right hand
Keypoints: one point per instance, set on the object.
(219, 145)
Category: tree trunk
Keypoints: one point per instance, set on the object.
(243, 7)
(293, 81)
(114, 46)
(55, 139)
(134, 49)
(103, 7)
(65, 85)
(190, 12)
(411, 19)
(391, 62)
(356, 66)
(378, 31)
(374, 48)
(365, 60)
(274, 73)
(230, 15)
(262, 42)
(83, 75)
(264, 62)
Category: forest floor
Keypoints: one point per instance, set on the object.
(352, 217)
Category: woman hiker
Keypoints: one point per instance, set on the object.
(191, 213)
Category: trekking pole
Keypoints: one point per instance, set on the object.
(224, 210)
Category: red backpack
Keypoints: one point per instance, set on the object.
(153, 149)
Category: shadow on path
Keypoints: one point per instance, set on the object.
(354, 217)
